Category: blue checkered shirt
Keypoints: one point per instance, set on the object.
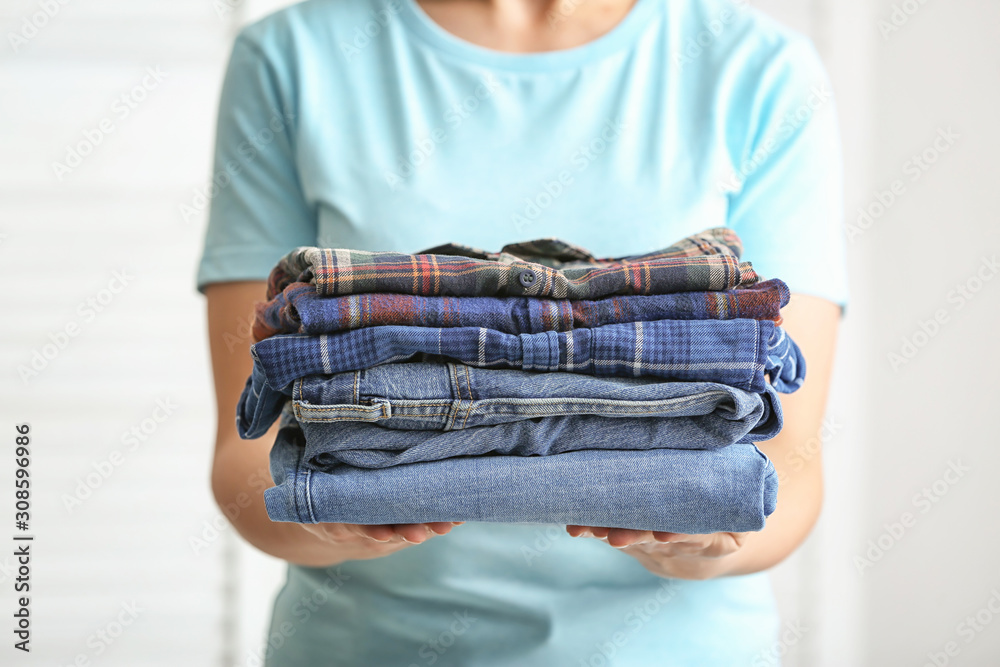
(742, 353)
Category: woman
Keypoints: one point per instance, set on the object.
(618, 125)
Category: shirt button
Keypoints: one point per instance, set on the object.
(527, 278)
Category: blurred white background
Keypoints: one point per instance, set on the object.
(99, 260)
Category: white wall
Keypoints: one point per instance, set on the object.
(939, 70)
(128, 541)
(894, 431)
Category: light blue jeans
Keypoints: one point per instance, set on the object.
(396, 414)
(530, 412)
(452, 396)
(678, 490)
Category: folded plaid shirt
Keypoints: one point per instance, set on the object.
(735, 352)
(298, 309)
(544, 268)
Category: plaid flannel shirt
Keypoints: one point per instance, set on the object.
(298, 309)
(739, 353)
(544, 268)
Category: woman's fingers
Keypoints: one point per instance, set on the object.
(626, 537)
(616, 537)
(379, 533)
(587, 531)
(414, 533)
(417, 533)
(715, 545)
(443, 527)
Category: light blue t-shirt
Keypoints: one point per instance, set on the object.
(363, 124)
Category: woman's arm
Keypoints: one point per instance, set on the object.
(240, 470)
(812, 322)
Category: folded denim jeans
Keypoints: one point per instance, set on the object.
(515, 413)
(298, 309)
(366, 445)
(741, 353)
(444, 397)
(730, 489)
(542, 268)
(259, 404)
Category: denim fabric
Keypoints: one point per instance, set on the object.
(734, 352)
(729, 489)
(444, 397)
(365, 445)
(705, 261)
(298, 309)
(259, 405)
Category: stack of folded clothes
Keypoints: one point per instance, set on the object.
(535, 385)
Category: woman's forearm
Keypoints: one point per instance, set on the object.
(240, 468)
(240, 474)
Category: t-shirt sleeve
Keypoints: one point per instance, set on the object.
(258, 211)
(787, 203)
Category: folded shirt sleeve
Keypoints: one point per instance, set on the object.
(257, 210)
(786, 190)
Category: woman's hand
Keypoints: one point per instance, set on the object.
(374, 541)
(670, 554)
(797, 457)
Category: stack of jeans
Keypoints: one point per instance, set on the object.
(535, 385)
